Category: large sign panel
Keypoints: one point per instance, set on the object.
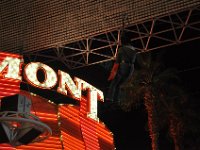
(74, 127)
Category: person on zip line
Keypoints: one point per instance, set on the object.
(122, 69)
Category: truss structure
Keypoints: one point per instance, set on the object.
(156, 33)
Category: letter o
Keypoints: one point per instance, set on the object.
(31, 70)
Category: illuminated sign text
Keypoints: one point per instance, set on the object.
(65, 82)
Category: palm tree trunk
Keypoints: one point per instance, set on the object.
(175, 132)
(152, 120)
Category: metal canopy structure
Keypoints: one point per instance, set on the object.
(156, 33)
(82, 33)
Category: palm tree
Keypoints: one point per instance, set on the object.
(149, 84)
(171, 101)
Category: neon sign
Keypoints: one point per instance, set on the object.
(65, 82)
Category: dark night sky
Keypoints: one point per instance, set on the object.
(130, 128)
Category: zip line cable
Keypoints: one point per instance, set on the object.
(189, 69)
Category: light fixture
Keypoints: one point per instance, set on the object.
(17, 125)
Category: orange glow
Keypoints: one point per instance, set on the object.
(45, 114)
(42, 145)
(37, 148)
(75, 117)
(6, 147)
(9, 90)
(69, 136)
(45, 118)
(72, 109)
(3, 54)
(70, 142)
(74, 120)
(52, 143)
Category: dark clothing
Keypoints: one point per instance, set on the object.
(125, 58)
(126, 54)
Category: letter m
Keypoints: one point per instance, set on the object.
(10, 66)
